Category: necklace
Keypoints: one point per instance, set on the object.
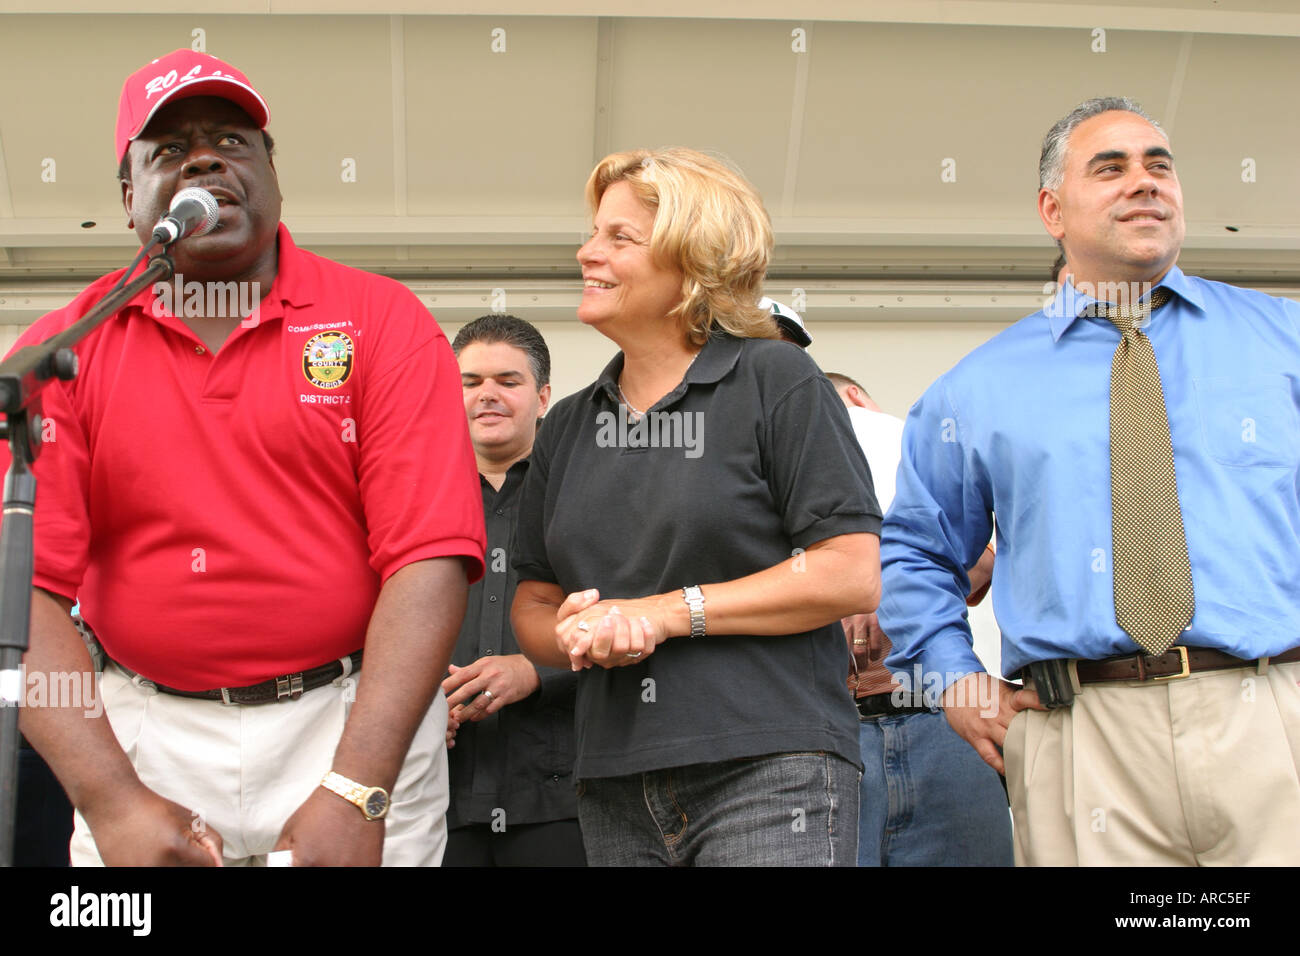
(635, 414)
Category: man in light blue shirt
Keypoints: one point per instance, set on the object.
(1186, 758)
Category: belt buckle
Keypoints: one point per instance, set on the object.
(1186, 668)
(288, 686)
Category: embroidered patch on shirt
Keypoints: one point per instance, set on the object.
(327, 359)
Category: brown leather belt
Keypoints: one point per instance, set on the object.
(1176, 662)
(290, 686)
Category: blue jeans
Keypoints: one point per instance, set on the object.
(797, 809)
(928, 799)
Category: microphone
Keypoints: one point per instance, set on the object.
(193, 212)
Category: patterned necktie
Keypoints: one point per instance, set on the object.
(1154, 600)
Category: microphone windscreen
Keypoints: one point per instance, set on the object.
(206, 207)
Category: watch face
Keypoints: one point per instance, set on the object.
(376, 803)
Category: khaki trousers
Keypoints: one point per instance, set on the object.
(244, 770)
(1200, 771)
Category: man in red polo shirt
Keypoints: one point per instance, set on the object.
(262, 468)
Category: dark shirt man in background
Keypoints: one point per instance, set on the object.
(510, 732)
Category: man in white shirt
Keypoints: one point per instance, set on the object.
(936, 807)
(879, 433)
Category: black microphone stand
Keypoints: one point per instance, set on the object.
(22, 378)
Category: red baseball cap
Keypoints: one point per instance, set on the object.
(174, 77)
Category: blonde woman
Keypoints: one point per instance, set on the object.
(692, 526)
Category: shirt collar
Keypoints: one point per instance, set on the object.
(292, 285)
(293, 281)
(715, 360)
(1069, 302)
(515, 470)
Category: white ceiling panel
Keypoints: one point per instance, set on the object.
(1241, 101)
(723, 86)
(893, 107)
(409, 145)
(498, 133)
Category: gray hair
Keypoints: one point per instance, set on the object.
(1051, 162)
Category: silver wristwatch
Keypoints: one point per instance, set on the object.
(694, 599)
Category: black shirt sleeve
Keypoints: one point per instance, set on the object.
(819, 477)
(530, 559)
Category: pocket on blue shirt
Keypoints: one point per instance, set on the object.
(1249, 421)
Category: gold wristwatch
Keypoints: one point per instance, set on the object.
(372, 801)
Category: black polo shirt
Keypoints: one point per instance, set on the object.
(519, 759)
(766, 463)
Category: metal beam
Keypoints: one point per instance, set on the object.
(603, 119)
(548, 230)
(798, 105)
(6, 203)
(1170, 117)
(1228, 17)
(397, 53)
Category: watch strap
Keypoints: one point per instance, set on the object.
(694, 599)
(355, 793)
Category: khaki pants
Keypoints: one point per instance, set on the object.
(1200, 771)
(244, 770)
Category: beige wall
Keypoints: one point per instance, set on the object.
(8, 335)
(895, 361)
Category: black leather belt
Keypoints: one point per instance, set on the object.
(882, 705)
(290, 686)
